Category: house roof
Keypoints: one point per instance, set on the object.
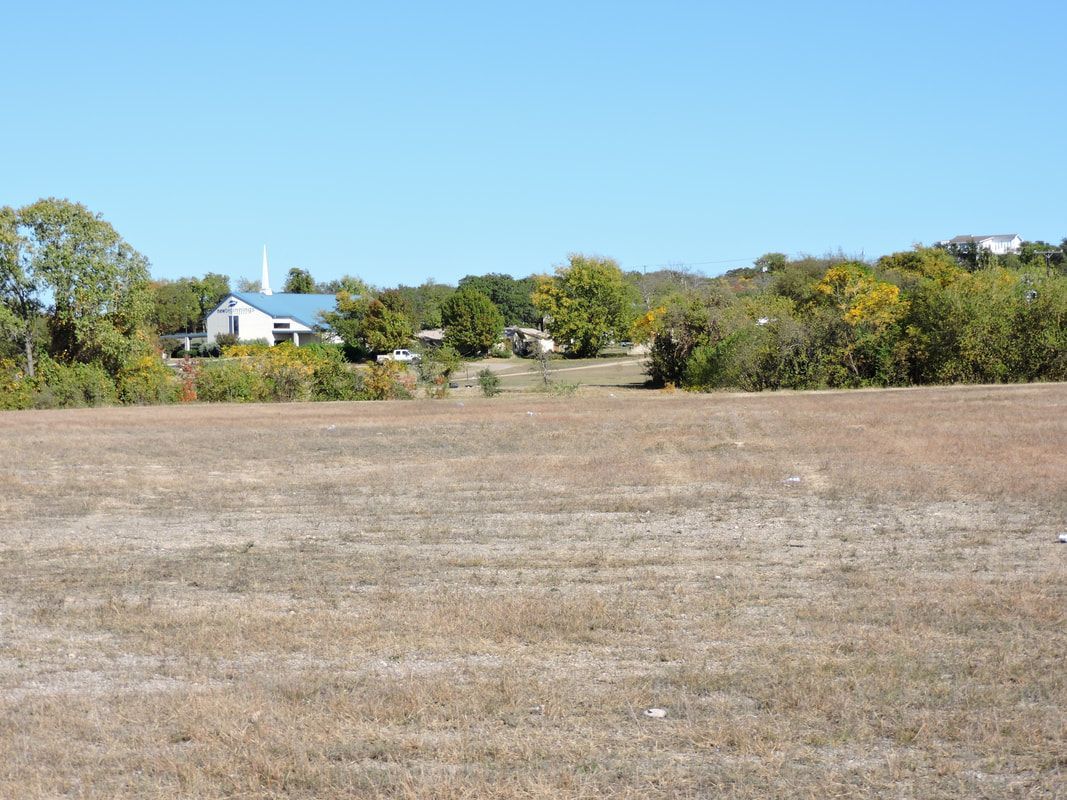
(529, 333)
(997, 237)
(304, 308)
(431, 335)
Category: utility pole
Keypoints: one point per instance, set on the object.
(1048, 259)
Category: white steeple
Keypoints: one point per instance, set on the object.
(264, 282)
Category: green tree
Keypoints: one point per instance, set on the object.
(183, 305)
(425, 302)
(656, 288)
(176, 306)
(21, 305)
(771, 262)
(299, 281)
(97, 283)
(587, 304)
(510, 295)
(1044, 256)
(348, 283)
(471, 321)
(368, 324)
(210, 290)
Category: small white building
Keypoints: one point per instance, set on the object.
(274, 318)
(997, 244)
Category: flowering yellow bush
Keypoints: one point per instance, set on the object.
(16, 390)
(648, 324)
(146, 380)
(862, 298)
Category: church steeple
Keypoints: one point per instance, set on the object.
(264, 282)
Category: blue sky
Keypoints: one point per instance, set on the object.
(407, 140)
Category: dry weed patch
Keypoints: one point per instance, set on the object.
(831, 594)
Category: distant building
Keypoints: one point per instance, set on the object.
(529, 341)
(432, 336)
(997, 244)
(270, 317)
(275, 318)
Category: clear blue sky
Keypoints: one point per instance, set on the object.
(406, 140)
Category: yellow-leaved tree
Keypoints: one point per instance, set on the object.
(868, 308)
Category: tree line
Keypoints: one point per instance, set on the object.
(80, 319)
(922, 316)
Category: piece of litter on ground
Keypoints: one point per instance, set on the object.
(718, 577)
(794, 544)
(529, 413)
(330, 427)
(656, 713)
(1063, 538)
(792, 479)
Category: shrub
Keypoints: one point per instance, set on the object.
(243, 349)
(388, 381)
(225, 340)
(490, 382)
(436, 368)
(73, 385)
(228, 382)
(16, 390)
(176, 348)
(147, 381)
(560, 388)
(282, 373)
(332, 379)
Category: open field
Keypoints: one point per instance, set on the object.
(831, 594)
(525, 373)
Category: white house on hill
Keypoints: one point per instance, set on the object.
(276, 318)
(997, 244)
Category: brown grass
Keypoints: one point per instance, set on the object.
(471, 598)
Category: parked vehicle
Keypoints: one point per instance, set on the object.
(403, 356)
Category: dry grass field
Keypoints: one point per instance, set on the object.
(831, 595)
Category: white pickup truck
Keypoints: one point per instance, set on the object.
(403, 356)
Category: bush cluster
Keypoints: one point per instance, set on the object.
(145, 380)
(258, 373)
(909, 319)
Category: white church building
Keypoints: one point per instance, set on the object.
(270, 317)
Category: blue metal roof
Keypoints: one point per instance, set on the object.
(304, 308)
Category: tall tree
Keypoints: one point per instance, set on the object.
(587, 304)
(176, 306)
(183, 305)
(349, 283)
(370, 324)
(97, 283)
(425, 302)
(20, 289)
(299, 281)
(210, 290)
(472, 323)
(511, 296)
